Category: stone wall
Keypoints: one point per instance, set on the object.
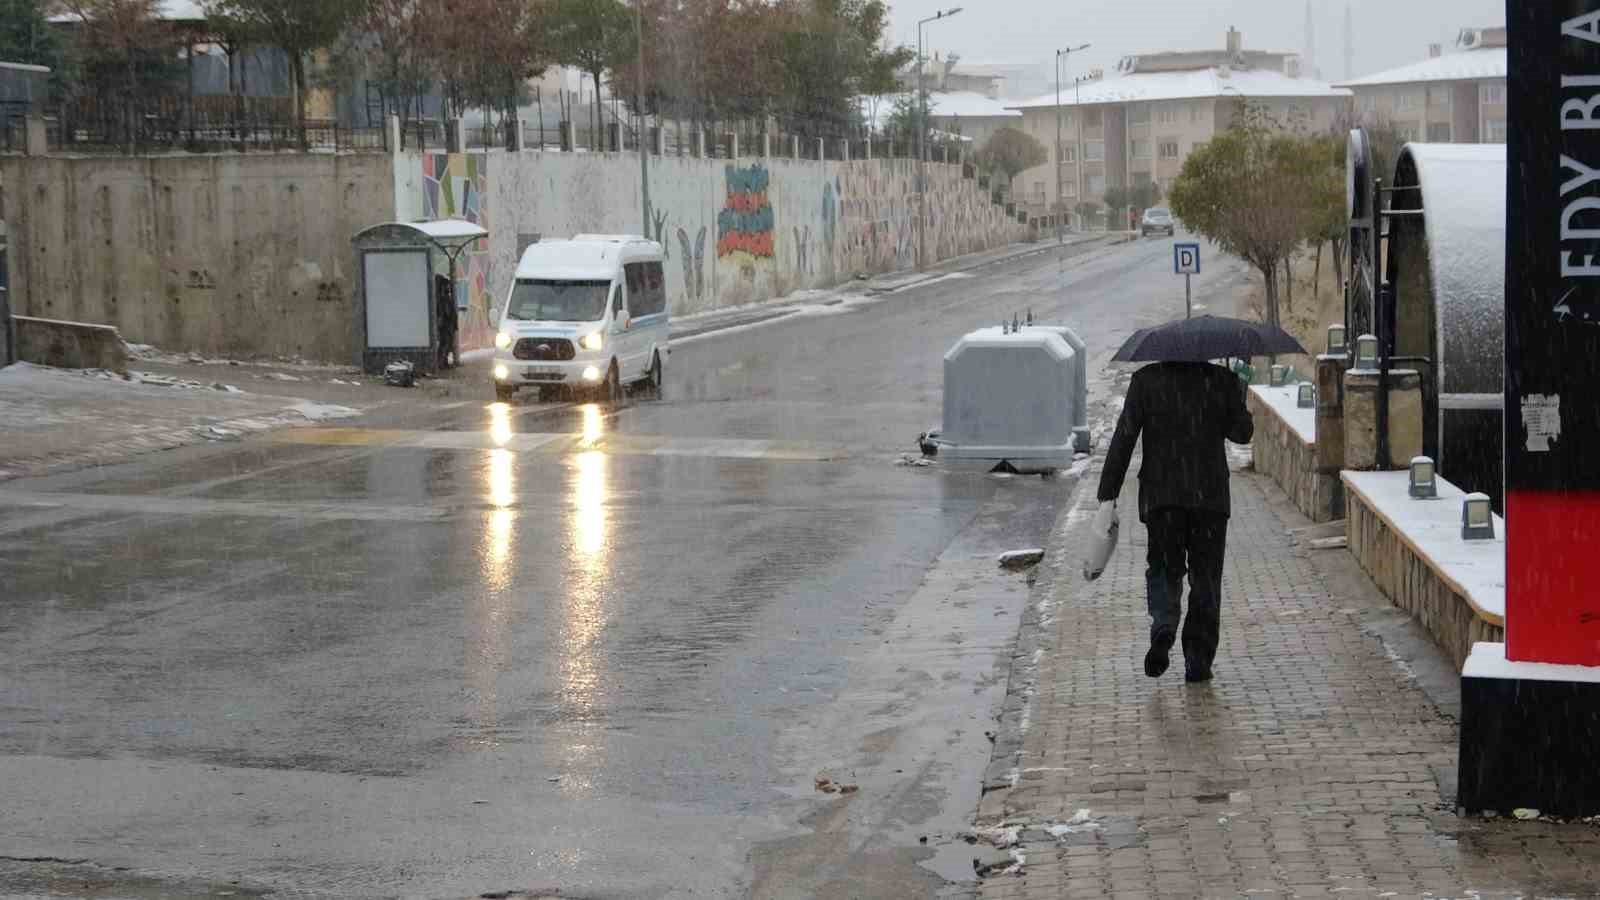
(1407, 579)
(228, 254)
(1280, 454)
(734, 231)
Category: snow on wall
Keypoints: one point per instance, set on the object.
(1285, 402)
(1477, 569)
(1464, 205)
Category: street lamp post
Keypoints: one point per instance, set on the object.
(1077, 120)
(1056, 154)
(922, 137)
(638, 107)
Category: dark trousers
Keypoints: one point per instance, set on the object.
(1186, 541)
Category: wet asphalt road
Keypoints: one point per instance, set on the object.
(546, 648)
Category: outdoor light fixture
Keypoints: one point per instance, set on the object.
(1424, 480)
(1308, 396)
(1336, 341)
(1277, 376)
(1477, 521)
(1367, 352)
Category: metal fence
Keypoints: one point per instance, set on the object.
(236, 124)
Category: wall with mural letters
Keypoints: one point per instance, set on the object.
(733, 231)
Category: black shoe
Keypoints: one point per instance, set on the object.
(1195, 675)
(1156, 659)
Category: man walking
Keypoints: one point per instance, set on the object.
(1184, 410)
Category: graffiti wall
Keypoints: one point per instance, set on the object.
(455, 185)
(732, 233)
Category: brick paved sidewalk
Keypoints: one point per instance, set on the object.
(1312, 766)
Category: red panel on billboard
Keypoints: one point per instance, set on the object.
(1553, 612)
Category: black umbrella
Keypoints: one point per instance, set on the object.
(1206, 338)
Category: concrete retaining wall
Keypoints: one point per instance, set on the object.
(69, 345)
(249, 255)
(735, 231)
(1282, 455)
(239, 255)
(1414, 584)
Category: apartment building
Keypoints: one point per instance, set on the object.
(1140, 125)
(1455, 97)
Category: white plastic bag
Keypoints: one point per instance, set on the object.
(1102, 540)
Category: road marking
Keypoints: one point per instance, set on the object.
(565, 443)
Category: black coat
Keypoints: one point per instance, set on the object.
(1184, 411)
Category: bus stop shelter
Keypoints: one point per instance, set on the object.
(398, 265)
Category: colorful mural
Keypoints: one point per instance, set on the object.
(745, 225)
(694, 264)
(456, 185)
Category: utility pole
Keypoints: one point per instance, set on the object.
(922, 143)
(1056, 153)
(638, 108)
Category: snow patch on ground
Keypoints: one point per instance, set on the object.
(318, 412)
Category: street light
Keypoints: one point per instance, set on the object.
(1077, 122)
(1060, 238)
(638, 86)
(922, 137)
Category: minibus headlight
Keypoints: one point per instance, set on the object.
(503, 341)
(593, 341)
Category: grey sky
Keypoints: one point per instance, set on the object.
(1388, 33)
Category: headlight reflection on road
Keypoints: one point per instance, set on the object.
(500, 423)
(594, 426)
(489, 610)
(587, 602)
(502, 495)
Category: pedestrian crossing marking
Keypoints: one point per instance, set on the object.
(565, 443)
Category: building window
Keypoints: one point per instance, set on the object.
(1169, 150)
(1195, 112)
(1066, 119)
(1167, 115)
(1139, 149)
(1069, 153)
(1406, 100)
(1496, 131)
(1492, 94)
(1139, 113)
(1439, 133)
(1369, 104)
(1439, 97)
(1406, 131)
(1097, 185)
(1038, 193)
(1094, 151)
(1069, 187)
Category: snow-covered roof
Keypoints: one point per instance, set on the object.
(1188, 85)
(450, 229)
(1470, 65)
(952, 104)
(166, 10)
